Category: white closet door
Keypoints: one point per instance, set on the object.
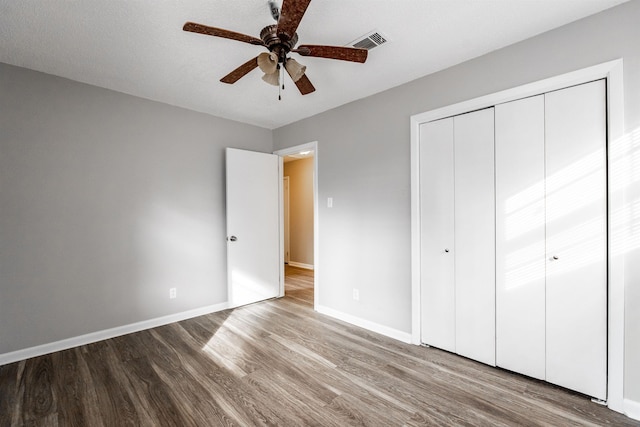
(576, 297)
(436, 239)
(520, 236)
(475, 235)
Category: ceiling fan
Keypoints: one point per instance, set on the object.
(280, 39)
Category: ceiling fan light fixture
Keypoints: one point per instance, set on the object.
(272, 78)
(268, 62)
(295, 69)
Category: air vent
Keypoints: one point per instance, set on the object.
(370, 40)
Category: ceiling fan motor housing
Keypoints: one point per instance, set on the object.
(274, 43)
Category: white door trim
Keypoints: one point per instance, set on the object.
(313, 146)
(613, 72)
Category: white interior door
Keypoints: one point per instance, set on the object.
(475, 235)
(253, 224)
(576, 300)
(520, 236)
(436, 235)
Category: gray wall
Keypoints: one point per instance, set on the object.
(106, 201)
(300, 173)
(363, 156)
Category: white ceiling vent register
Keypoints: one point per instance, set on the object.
(370, 40)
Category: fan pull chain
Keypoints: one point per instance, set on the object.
(279, 90)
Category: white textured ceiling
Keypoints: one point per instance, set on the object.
(138, 46)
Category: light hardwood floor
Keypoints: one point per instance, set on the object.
(277, 363)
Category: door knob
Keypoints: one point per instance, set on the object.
(555, 257)
(446, 250)
(233, 238)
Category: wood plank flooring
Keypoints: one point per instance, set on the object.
(277, 363)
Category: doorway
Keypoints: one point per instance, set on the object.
(300, 221)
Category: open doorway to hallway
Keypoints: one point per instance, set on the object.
(300, 221)
(298, 218)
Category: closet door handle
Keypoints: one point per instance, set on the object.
(446, 250)
(555, 257)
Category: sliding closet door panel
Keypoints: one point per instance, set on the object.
(475, 235)
(520, 236)
(576, 293)
(436, 210)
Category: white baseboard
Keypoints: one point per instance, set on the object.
(631, 409)
(92, 337)
(301, 265)
(366, 324)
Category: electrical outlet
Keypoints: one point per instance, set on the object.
(172, 293)
(356, 295)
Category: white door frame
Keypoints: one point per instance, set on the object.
(312, 146)
(613, 72)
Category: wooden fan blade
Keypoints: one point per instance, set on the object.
(291, 14)
(304, 85)
(219, 32)
(333, 52)
(241, 71)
